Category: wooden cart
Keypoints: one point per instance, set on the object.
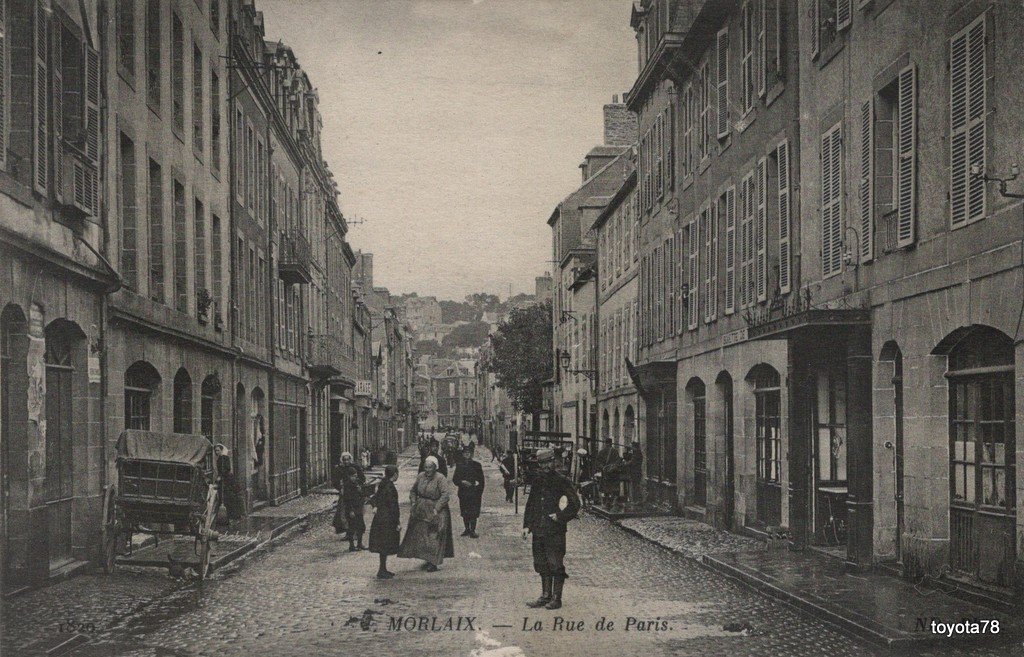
(166, 485)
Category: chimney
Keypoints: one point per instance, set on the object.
(619, 124)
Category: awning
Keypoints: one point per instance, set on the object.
(652, 373)
(810, 318)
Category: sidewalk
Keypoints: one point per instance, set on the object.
(241, 538)
(878, 608)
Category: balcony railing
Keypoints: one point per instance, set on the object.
(325, 355)
(293, 263)
(890, 230)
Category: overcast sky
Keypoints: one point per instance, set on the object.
(455, 126)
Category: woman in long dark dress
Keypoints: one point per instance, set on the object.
(352, 480)
(384, 530)
(469, 478)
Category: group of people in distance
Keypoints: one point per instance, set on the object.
(551, 504)
(608, 470)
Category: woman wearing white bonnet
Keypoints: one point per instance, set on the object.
(429, 535)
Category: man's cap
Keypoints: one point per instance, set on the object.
(545, 455)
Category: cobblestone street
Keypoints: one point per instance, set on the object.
(309, 595)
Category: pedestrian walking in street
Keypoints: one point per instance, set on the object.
(435, 451)
(634, 474)
(387, 523)
(353, 500)
(607, 464)
(507, 464)
(469, 479)
(551, 505)
(429, 535)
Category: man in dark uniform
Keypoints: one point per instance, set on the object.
(635, 474)
(442, 464)
(552, 504)
(507, 464)
(608, 463)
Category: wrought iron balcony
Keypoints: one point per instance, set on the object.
(294, 261)
(325, 355)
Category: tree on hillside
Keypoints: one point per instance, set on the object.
(521, 356)
(429, 348)
(483, 301)
(458, 311)
(473, 334)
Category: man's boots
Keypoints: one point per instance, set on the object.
(545, 597)
(556, 593)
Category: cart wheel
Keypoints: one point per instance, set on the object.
(206, 533)
(111, 530)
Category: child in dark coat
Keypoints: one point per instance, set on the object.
(384, 530)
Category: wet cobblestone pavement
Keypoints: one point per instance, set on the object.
(310, 596)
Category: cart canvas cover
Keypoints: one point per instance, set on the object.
(154, 446)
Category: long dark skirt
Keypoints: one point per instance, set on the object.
(384, 536)
(427, 542)
(469, 503)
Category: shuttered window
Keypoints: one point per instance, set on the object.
(761, 48)
(967, 113)
(178, 72)
(670, 286)
(785, 212)
(658, 133)
(844, 13)
(669, 145)
(772, 21)
(748, 205)
(711, 263)
(865, 187)
(129, 215)
(727, 214)
(180, 249)
(156, 233)
(723, 82)
(41, 145)
(831, 201)
(153, 53)
(197, 98)
(693, 240)
(679, 265)
(199, 246)
(126, 37)
(748, 39)
(906, 163)
(4, 85)
(761, 232)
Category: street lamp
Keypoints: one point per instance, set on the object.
(566, 361)
(978, 174)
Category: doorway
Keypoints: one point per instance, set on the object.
(60, 371)
(724, 385)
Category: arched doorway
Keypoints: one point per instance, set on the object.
(629, 425)
(63, 357)
(892, 357)
(182, 402)
(767, 391)
(696, 394)
(723, 384)
(209, 408)
(13, 416)
(982, 454)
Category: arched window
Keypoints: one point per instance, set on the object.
(141, 381)
(182, 402)
(209, 407)
(982, 436)
(698, 397)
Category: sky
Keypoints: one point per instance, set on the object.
(454, 127)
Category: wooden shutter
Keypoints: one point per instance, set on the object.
(4, 84)
(659, 143)
(785, 212)
(41, 145)
(729, 208)
(967, 122)
(761, 231)
(831, 200)
(712, 299)
(743, 246)
(58, 110)
(705, 265)
(760, 54)
(659, 289)
(906, 167)
(670, 286)
(670, 146)
(679, 265)
(723, 82)
(865, 188)
(815, 28)
(844, 14)
(772, 66)
(694, 248)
